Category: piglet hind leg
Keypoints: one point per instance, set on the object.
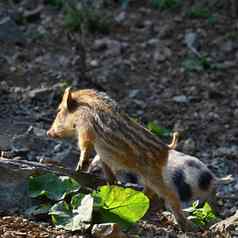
(156, 203)
(172, 200)
(175, 205)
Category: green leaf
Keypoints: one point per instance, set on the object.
(55, 3)
(212, 20)
(73, 19)
(159, 131)
(199, 12)
(38, 210)
(207, 208)
(165, 4)
(200, 216)
(76, 200)
(124, 206)
(195, 204)
(77, 219)
(52, 186)
(192, 64)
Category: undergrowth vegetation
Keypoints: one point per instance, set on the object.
(60, 198)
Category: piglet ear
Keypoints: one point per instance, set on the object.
(68, 102)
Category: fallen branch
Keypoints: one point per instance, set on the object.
(225, 225)
(28, 168)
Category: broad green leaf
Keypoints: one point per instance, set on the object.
(60, 214)
(52, 186)
(159, 131)
(38, 210)
(77, 219)
(76, 200)
(122, 205)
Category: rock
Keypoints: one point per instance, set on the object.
(10, 32)
(33, 14)
(39, 93)
(189, 146)
(107, 230)
(100, 44)
(120, 18)
(230, 152)
(13, 190)
(181, 99)
(133, 93)
(112, 47)
(162, 53)
(191, 40)
(4, 88)
(34, 145)
(166, 30)
(153, 42)
(179, 127)
(94, 63)
(227, 47)
(235, 113)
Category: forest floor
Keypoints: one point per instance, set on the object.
(145, 62)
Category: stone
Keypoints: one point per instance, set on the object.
(107, 230)
(162, 53)
(10, 32)
(100, 44)
(39, 93)
(34, 145)
(181, 99)
(133, 93)
(94, 63)
(111, 47)
(228, 152)
(153, 42)
(13, 190)
(189, 146)
(120, 18)
(166, 30)
(227, 47)
(33, 14)
(191, 40)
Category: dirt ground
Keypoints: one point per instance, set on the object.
(144, 63)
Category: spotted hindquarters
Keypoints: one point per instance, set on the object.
(205, 180)
(184, 189)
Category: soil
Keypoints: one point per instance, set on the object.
(140, 63)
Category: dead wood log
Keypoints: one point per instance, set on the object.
(226, 225)
(14, 173)
(28, 168)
